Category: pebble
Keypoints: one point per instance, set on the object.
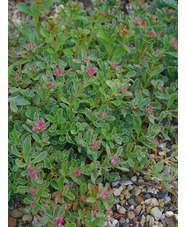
(169, 153)
(128, 195)
(130, 187)
(141, 181)
(156, 213)
(146, 224)
(161, 195)
(148, 218)
(151, 221)
(121, 210)
(174, 146)
(105, 223)
(161, 203)
(160, 225)
(27, 218)
(131, 207)
(167, 200)
(121, 197)
(115, 222)
(136, 191)
(139, 208)
(152, 190)
(176, 217)
(138, 199)
(112, 225)
(134, 178)
(169, 214)
(117, 191)
(12, 222)
(150, 206)
(132, 202)
(116, 181)
(162, 146)
(162, 153)
(15, 213)
(126, 182)
(122, 221)
(124, 192)
(130, 215)
(152, 200)
(142, 221)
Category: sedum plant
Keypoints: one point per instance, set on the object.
(88, 95)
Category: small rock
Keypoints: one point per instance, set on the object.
(176, 217)
(112, 225)
(152, 200)
(151, 221)
(147, 218)
(161, 202)
(122, 221)
(150, 206)
(12, 222)
(126, 182)
(134, 179)
(130, 215)
(174, 146)
(146, 224)
(167, 200)
(132, 202)
(141, 181)
(121, 197)
(160, 225)
(115, 183)
(122, 202)
(117, 191)
(169, 153)
(127, 220)
(128, 195)
(169, 214)
(142, 221)
(162, 146)
(124, 192)
(130, 187)
(139, 207)
(152, 190)
(138, 199)
(162, 153)
(27, 218)
(161, 195)
(115, 222)
(131, 207)
(15, 213)
(148, 196)
(105, 223)
(114, 208)
(156, 213)
(136, 191)
(121, 210)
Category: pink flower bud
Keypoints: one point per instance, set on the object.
(59, 221)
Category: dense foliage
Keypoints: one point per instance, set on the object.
(88, 94)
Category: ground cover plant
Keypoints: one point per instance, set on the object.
(89, 91)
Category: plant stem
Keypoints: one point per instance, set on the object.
(58, 99)
(75, 55)
(65, 31)
(90, 38)
(109, 53)
(37, 20)
(54, 45)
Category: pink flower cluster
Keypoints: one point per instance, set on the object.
(32, 173)
(105, 194)
(38, 125)
(90, 71)
(95, 144)
(149, 108)
(77, 172)
(115, 159)
(104, 115)
(155, 19)
(32, 204)
(33, 191)
(160, 87)
(124, 88)
(152, 33)
(138, 20)
(85, 59)
(173, 41)
(30, 46)
(143, 6)
(59, 221)
(48, 85)
(114, 64)
(58, 72)
(170, 10)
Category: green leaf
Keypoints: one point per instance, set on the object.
(145, 63)
(65, 190)
(96, 222)
(40, 192)
(137, 125)
(119, 151)
(47, 4)
(103, 35)
(157, 70)
(13, 107)
(24, 8)
(54, 184)
(147, 143)
(40, 157)
(15, 151)
(70, 196)
(60, 183)
(91, 189)
(158, 167)
(83, 188)
(26, 146)
(47, 209)
(130, 162)
(173, 54)
(89, 114)
(131, 74)
(20, 164)
(91, 200)
(171, 100)
(56, 211)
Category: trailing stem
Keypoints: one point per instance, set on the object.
(54, 45)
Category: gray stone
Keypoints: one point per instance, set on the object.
(141, 181)
(130, 187)
(156, 213)
(117, 191)
(115, 222)
(112, 225)
(134, 178)
(127, 196)
(132, 202)
(115, 183)
(126, 182)
(130, 215)
(142, 221)
(167, 200)
(151, 221)
(169, 214)
(152, 200)
(121, 210)
(122, 221)
(15, 213)
(136, 191)
(27, 218)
